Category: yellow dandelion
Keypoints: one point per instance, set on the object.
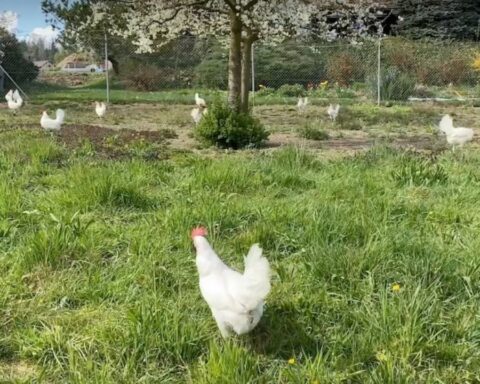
(292, 361)
(381, 355)
(396, 287)
(476, 63)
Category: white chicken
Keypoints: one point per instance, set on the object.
(333, 111)
(100, 108)
(14, 100)
(199, 101)
(50, 124)
(197, 114)
(455, 136)
(302, 104)
(235, 299)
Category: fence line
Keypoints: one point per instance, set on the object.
(389, 69)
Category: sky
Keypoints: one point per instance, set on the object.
(25, 19)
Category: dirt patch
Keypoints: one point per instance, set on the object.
(352, 143)
(116, 142)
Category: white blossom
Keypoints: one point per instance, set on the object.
(152, 23)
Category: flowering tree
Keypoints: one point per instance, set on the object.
(151, 23)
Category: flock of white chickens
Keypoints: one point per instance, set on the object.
(15, 101)
(332, 110)
(236, 300)
(455, 136)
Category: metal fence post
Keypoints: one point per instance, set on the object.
(14, 82)
(106, 69)
(253, 76)
(379, 71)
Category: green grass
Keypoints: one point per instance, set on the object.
(99, 283)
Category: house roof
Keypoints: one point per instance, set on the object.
(41, 63)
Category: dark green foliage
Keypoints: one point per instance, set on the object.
(295, 90)
(212, 72)
(439, 19)
(395, 85)
(228, 129)
(414, 170)
(13, 61)
(308, 131)
(289, 63)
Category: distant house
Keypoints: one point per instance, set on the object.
(82, 63)
(81, 67)
(44, 65)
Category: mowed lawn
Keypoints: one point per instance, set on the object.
(375, 258)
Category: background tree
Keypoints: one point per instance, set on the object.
(439, 19)
(149, 24)
(14, 61)
(39, 49)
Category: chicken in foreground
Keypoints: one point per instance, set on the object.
(455, 136)
(100, 108)
(50, 124)
(14, 100)
(333, 111)
(235, 299)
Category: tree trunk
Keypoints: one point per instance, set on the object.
(246, 72)
(115, 64)
(235, 63)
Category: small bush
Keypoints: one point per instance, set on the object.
(265, 91)
(291, 90)
(143, 77)
(308, 131)
(225, 128)
(149, 77)
(344, 69)
(395, 85)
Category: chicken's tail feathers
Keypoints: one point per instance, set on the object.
(446, 123)
(60, 115)
(257, 273)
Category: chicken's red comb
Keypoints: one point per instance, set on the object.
(199, 231)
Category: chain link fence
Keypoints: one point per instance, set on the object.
(392, 69)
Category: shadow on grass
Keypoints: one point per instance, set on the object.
(280, 334)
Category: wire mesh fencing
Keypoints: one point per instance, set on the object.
(392, 69)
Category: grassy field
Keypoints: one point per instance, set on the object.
(375, 254)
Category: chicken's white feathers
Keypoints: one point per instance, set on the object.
(302, 104)
(333, 111)
(100, 108)
(50, 124)
(196, 115)
(256, 277)
(199, 101)
(16, 95)
(60, 115)
(14, 100)
(235, 299)
(9, 95)
(455, 136)
(446, 124)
